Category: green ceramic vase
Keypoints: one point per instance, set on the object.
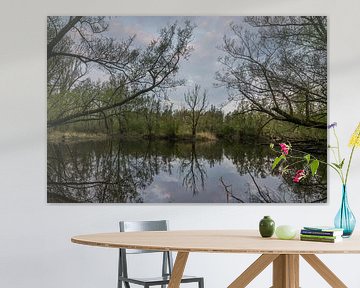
(266, 227)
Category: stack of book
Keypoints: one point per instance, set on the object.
(321, 234)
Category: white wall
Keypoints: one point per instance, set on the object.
(35, 248)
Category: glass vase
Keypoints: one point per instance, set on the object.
(345, 219)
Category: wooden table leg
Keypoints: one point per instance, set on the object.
(324, 271)
(253, 270)
(286, 271)
(178, 269)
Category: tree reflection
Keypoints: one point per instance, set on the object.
(256, 163)
(193, 171)
(106, 173)
(122, 172)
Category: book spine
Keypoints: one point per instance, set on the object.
(320, 233)
(318, 239)
(319, 236)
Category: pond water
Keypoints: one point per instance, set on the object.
(112, 171)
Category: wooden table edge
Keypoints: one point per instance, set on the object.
(203, 250)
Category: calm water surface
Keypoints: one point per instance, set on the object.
(166, 172)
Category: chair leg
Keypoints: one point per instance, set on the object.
(201, 283)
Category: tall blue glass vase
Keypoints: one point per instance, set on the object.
(345, 219)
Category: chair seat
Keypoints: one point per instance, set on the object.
(158, 280)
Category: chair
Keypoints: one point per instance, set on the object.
(167, 262)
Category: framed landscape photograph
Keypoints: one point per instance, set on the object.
(186, 109)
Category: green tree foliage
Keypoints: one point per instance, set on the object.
(275, 71)
(212, 120)
(77, 45)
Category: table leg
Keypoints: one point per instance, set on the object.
(286, 271)
(178, 269)
(253, 270)
(324, 271)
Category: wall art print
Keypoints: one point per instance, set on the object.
(158, 109)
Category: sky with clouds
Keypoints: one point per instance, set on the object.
(203, 62)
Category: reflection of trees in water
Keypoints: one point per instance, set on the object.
(116, 172)
(193, 171)
(257, 193)
(119, 172)
(194, 159)
(256, 163)
(249, 159)
(99, 172)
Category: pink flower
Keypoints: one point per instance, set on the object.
(299, 175)
(284, 148)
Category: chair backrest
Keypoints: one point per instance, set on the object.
(134, 226)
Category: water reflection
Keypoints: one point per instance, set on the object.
(160, 171)
(193, 171)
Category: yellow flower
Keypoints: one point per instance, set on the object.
(355, 138)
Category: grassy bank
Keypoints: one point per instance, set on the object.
(66, 136)
(59, 136)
